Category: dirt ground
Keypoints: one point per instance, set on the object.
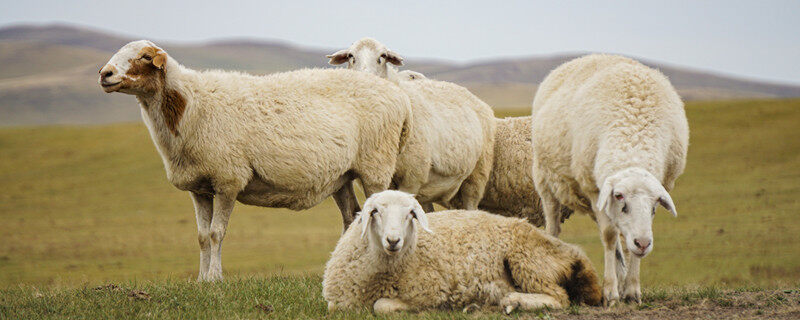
(771, 304)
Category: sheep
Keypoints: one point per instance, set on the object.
(510, 191)
(406, 75)
(371, 56)
(610, 139)
(285, 140)
(464, 259)
(453, 130)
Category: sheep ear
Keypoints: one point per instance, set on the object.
(366, 219)
(394, 58)
(422, 217)
(339, 57)
(604, 197)
(160, 59)
(666, 201)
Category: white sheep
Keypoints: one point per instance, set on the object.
(510, 190)
(610, 138)
(465, 258)
(406, 75)
(453, 131)
(370, 56)
(284, 140)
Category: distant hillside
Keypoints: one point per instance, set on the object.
(49, 74)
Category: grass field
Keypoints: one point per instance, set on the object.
(86, 206)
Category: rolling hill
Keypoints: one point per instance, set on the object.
(49, 74)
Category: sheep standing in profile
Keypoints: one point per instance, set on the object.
(463, 258)
(453, 130)
(610, 138)
(285, 140)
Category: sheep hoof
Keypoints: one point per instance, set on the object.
(633, 297)
(608, 303)
(470, 308)
(508, 309)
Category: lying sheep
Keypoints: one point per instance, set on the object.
(453, 131)
(284, 140)
(463, 258)
(610, 138)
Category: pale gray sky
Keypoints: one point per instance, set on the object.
(754, 39)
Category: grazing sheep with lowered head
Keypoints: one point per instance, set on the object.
(610, 138)
(285, 140)
(463, 258)
(453, 131)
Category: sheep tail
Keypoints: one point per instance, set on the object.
(583, 285)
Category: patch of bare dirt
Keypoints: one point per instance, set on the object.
(770, 304)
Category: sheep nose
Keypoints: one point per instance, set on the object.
(107, 71)
(642, 243)
(392, 242)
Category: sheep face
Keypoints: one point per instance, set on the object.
(387, 221)
(367, 55)
(137, 68)
(630, 198)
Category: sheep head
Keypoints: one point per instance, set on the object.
(629, 198)
(137, 68)
(387, 221)
(367, 55)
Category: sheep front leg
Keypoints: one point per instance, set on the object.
(203, 210)
(609, 235)
(632, 290)
(346, 200)
(223, 206)
(386, 305)
(528, 302)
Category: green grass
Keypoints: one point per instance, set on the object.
(299, 297)
(83, 206)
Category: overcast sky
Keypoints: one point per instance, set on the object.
(755, 39)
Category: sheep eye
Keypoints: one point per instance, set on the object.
(373, 212)
(654, 210)
(349, 55)
(413, 215)
(625, 208)
(146, 57)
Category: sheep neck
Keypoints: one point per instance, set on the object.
(163, 110)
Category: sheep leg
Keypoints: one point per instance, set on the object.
(203, 210)
(632, 290)
(609, 235)
(386, 305)
(346, 200)
(552, 213)
(474, 186)
(621, 253)
(528, 302)
(427, 207)
(223, 206)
